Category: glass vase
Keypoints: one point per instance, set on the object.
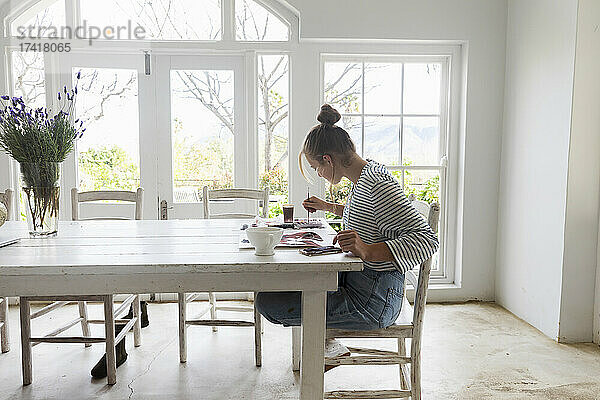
(41, 188)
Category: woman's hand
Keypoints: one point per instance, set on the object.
(350, 241)
(314, 203)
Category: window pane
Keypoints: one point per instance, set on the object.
(343, 86)
(425, 185)
(161, 19)
(382, 142)
(28, 81)
(383, 88)
(107, 104)
(421, 141)
(422, 88)
(46, 22)
(254, 22)
(28, 77)
(353, 125)
(273, 128)
(201, 131)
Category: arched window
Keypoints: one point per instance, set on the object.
(161, 19)
(173, 20)
(38, 19)
(253, 22)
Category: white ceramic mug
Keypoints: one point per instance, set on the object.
(264, 239)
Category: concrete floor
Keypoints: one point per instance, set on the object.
(471, 351)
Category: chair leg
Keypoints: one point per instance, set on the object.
(85, 325)
(213, 309)
(109, 328)
(4, 338)
(257, 337)
(137, 328)
(415, 376)
(296, 347)
(182, 328)
(25, 311)
(402, 352)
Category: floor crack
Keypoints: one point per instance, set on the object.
(129, 385)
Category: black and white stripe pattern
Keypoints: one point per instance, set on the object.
(378, 211)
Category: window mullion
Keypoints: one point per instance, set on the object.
(72, 13)
(362, 110)
(228, 20)
(401, 133)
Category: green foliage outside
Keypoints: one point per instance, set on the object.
(200, 164)
(107, 167)
(277, 182)
(197, 165)
(428, 191)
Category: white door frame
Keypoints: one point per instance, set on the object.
(146, 143)
(244, 173)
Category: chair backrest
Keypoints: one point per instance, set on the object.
(262, 197)
(136, 197)
(421, 284)
(6, 199)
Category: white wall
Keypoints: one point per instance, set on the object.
(483, 25)
(583, 189)
(535, 149)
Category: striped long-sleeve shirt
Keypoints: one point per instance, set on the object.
(378, 211)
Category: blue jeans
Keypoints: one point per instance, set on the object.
(364, 300)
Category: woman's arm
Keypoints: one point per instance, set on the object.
(410, 239)
(316, 203)
(350, 241)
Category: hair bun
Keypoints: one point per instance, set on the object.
(328, 115)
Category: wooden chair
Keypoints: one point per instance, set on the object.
(409, 325)
(213, 307)
(111, 314)
(6, 199)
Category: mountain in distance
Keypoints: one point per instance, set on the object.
(421, 145)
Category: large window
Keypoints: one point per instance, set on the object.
(202, 129)
(394, 110)
(273, 128)
(108, 153)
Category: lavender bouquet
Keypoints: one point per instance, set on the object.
(40, 141)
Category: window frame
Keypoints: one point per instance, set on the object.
(445, 272)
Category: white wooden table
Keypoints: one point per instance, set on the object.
(100, 258)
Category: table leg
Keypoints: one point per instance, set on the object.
(313, 345)
(296, 345)
(4, 342)
(109, 328)
(182, 327)
(257, 338)
(25, 313)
